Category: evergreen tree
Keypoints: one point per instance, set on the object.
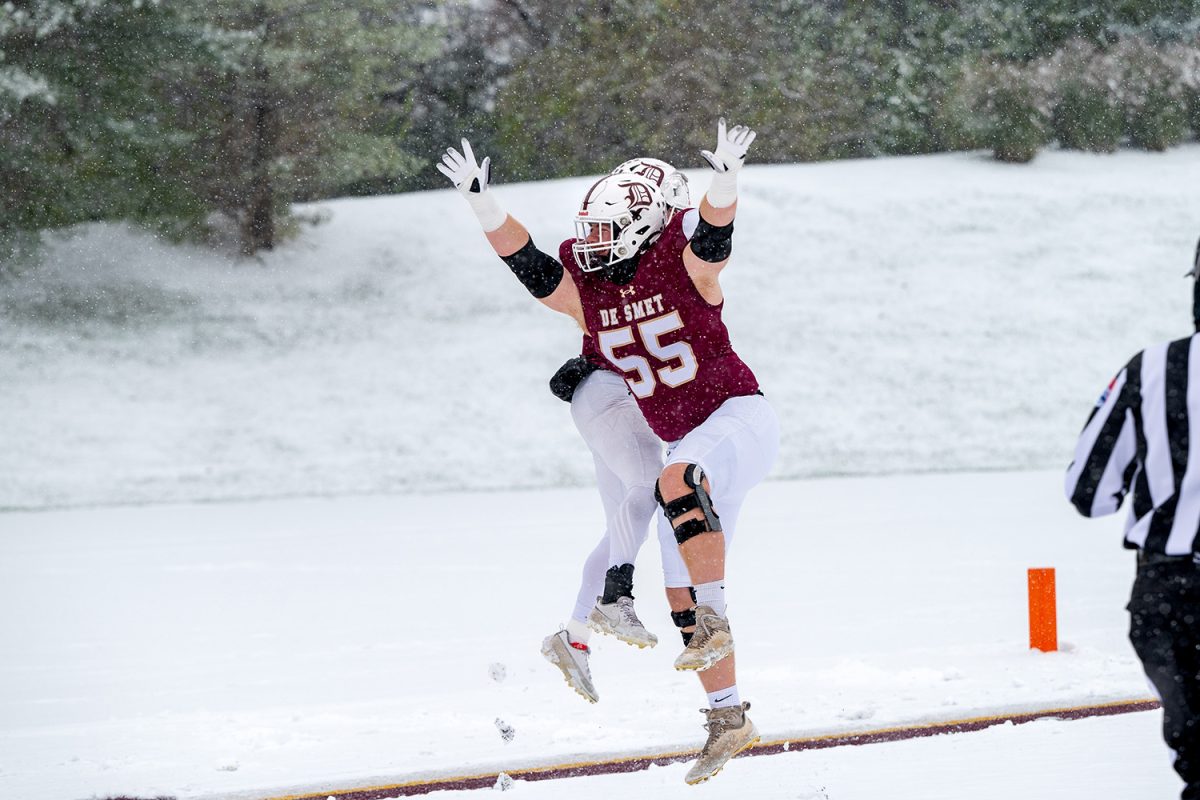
(82, 133)
(158, 111)
(297, 109)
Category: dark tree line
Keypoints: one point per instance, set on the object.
(203, 117)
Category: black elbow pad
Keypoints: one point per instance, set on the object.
(712, 244)
(539, 273)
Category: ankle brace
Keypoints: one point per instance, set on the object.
(618, 582)
(685, 619)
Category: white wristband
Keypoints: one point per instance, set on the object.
(491, 215)
(722, 192)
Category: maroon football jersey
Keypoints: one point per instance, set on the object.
(592, 353)
(663, 337)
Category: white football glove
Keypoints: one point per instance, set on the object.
(471, 179)
(731, 147)
(726, 161)
(462, 170)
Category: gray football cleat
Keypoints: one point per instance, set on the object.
(730, 732)
(620, 620)
(711, 641)
(572, 661)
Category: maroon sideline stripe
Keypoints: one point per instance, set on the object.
(637, 763)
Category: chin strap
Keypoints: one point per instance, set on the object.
(622, 272)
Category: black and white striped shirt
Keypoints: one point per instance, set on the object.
(1137, 439)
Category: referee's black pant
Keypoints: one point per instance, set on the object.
(1165, 630)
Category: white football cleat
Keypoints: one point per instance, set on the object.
(572, 660)
(730, 732)
(711, 641)
(620, 620)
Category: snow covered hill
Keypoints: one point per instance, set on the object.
(907, 314)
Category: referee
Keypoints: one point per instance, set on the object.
(1138, 438)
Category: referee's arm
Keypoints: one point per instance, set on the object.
(1104, 466)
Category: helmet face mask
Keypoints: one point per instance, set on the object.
(620, 217)
(594, 243)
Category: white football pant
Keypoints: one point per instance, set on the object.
(735, 447)
(628, 459)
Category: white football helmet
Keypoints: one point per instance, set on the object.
(672, 182)
(620, 216)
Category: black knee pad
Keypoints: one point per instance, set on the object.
(693, 476)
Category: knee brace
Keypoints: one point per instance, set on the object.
(685, 619)
(693, 476)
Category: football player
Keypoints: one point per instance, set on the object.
(649, 294)
(628, 460)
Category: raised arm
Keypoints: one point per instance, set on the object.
(540, 273)
(708, 252)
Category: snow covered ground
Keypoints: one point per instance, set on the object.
(193, 650)
(904, 315)
(378, 383)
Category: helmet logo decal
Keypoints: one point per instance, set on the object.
(670, 182)
(650, 171)
(639, 196)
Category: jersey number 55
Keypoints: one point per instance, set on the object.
(678, 357)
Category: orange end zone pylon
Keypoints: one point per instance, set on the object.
(1043, 611)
